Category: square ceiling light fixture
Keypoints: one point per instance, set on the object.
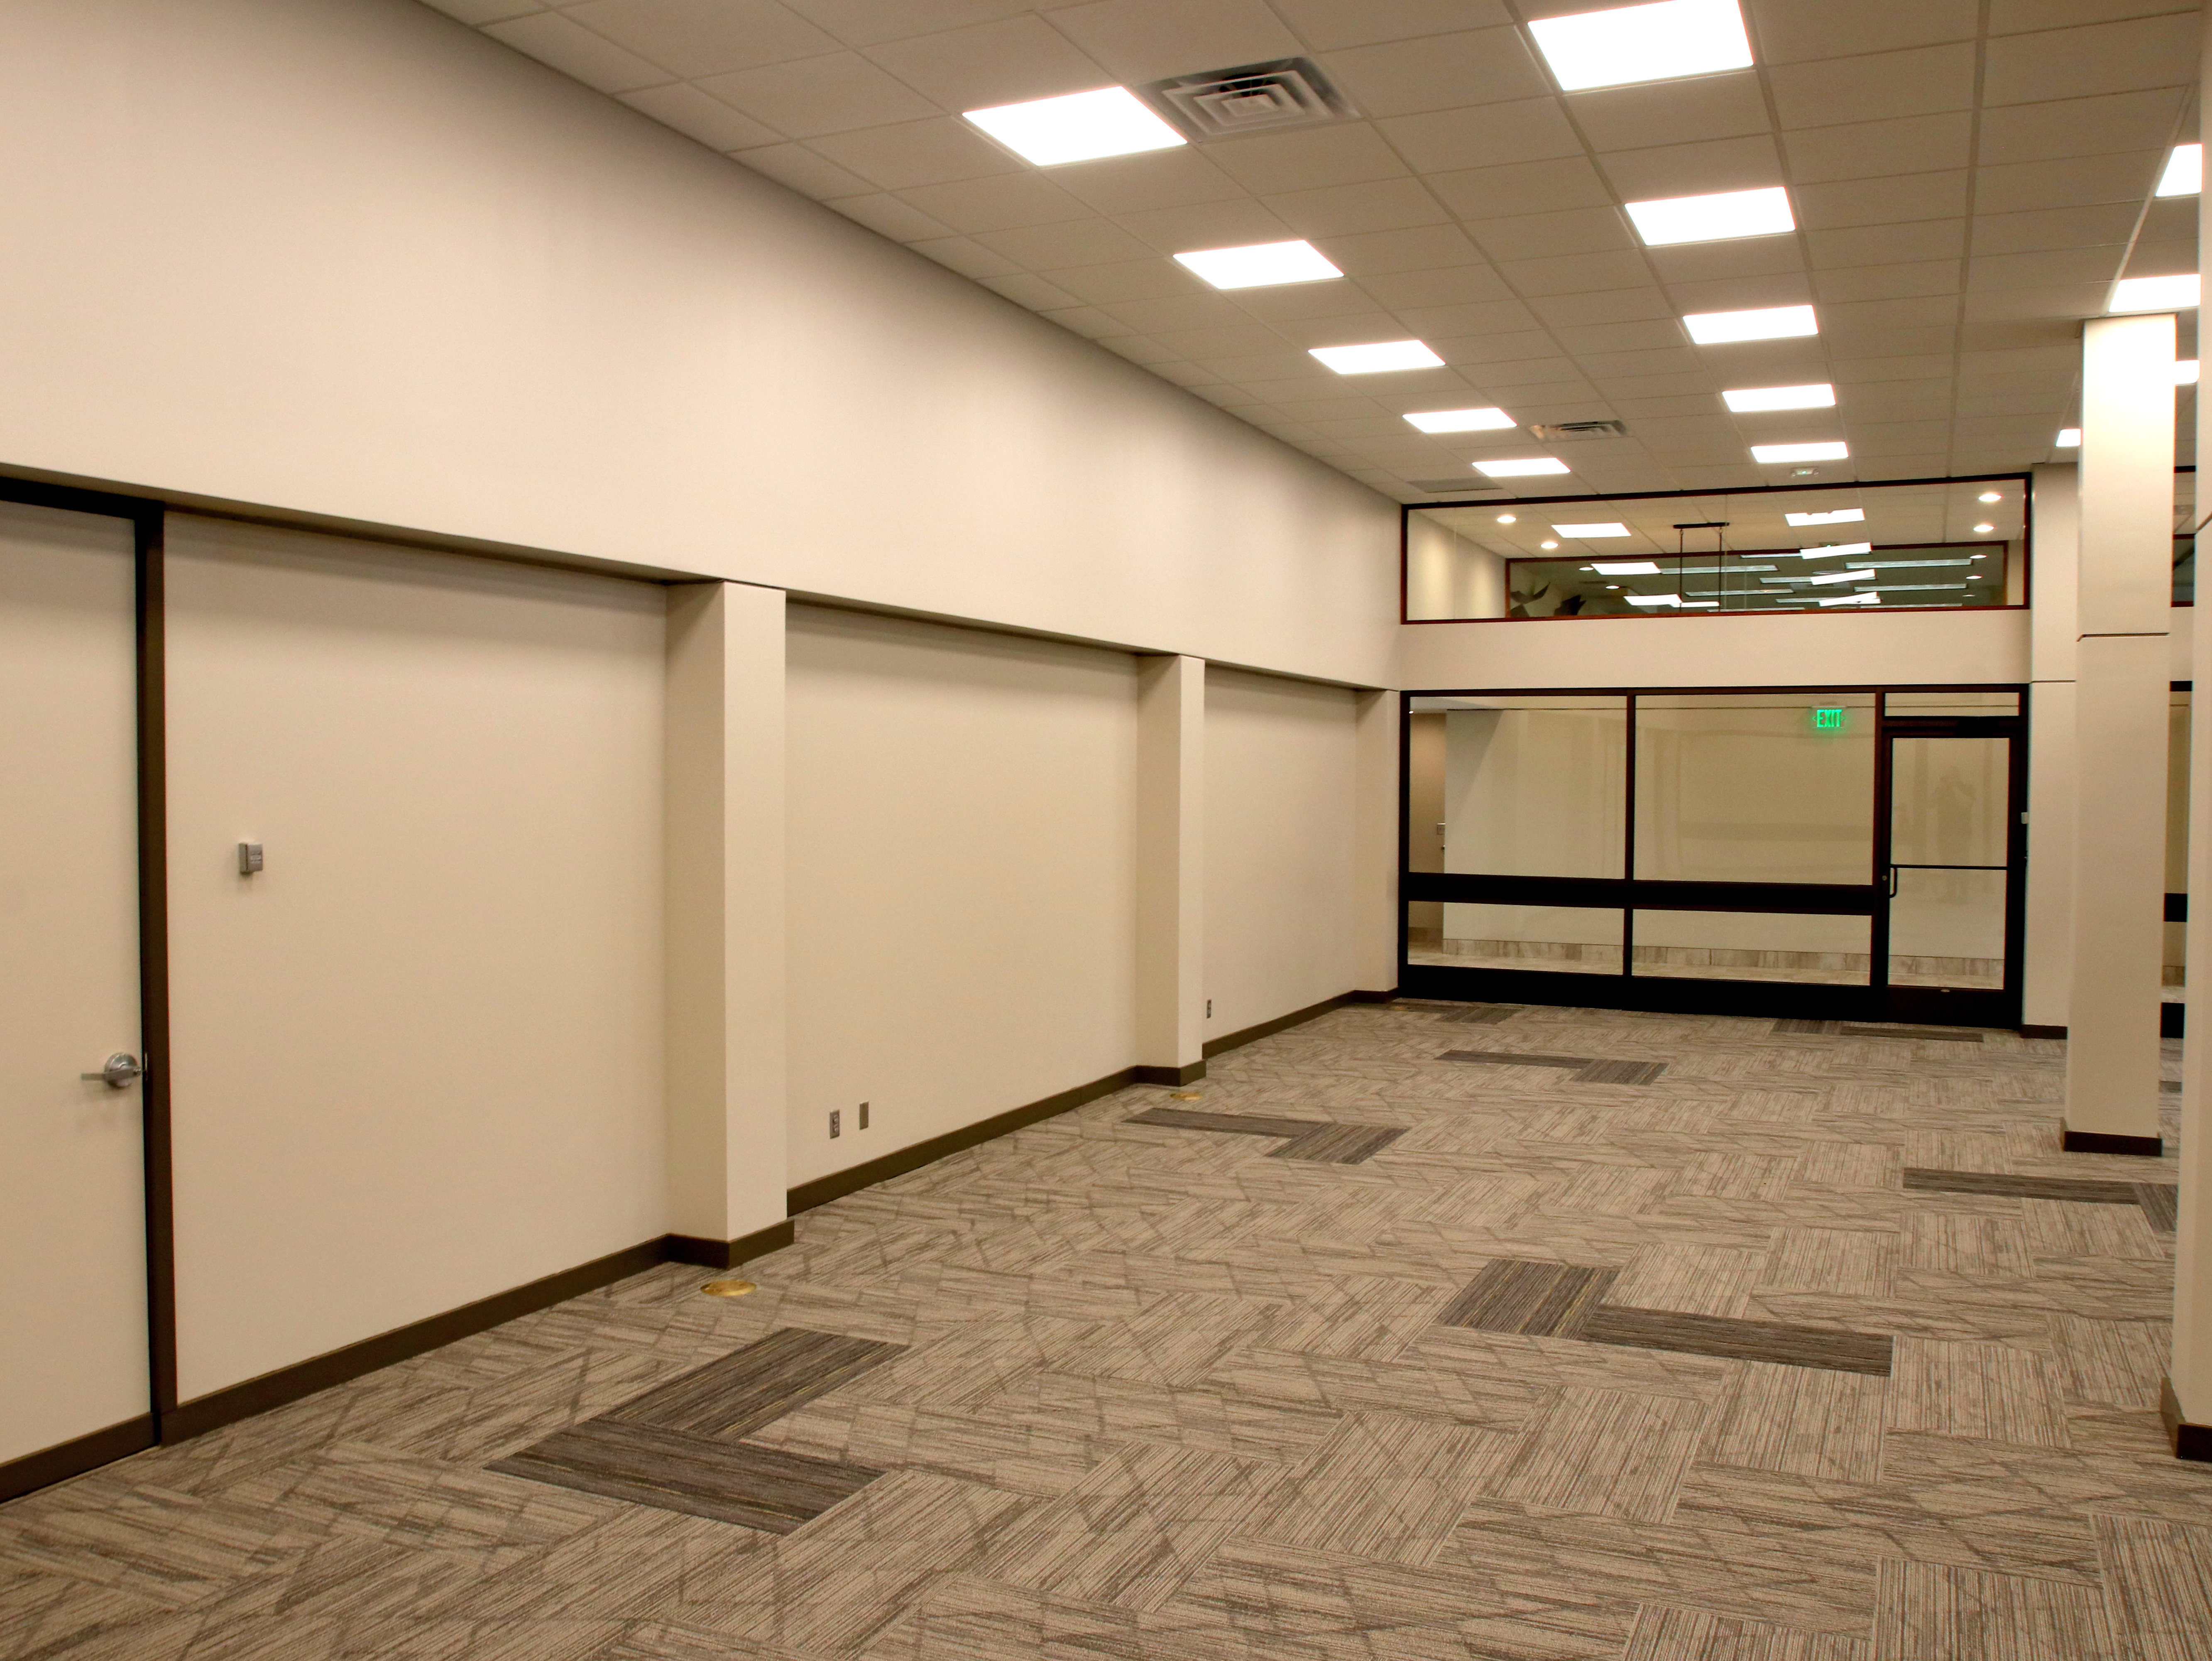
(2154, 294)
(1840, 516)
(1770, 455)
(1520, 466)
(1462, 421)
(2069, 438)
(1767, 323)
(2184, 372)
(1081, 126)
(1719, 218)
(1853, 600)
(1747, 399)
(1261, 265)
(1842, 576)
(1375, 359)
(1626, 568)
(2184, 172)
(1592, 532)
(1834, 549)
(1629, 44)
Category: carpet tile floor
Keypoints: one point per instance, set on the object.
(1651, 1338)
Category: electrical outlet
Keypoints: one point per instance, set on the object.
(836, 1124)
(864, 1115)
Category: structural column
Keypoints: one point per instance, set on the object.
(2121, 673)
(725, 921)
(1171, 869)
(1375, 845)
(2048, 966)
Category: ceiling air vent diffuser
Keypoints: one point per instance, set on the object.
(1581, 429)
(1291, 92)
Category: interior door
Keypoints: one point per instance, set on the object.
(1953, 862)
(74, 1364)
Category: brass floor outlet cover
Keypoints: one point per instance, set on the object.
(728, 1288)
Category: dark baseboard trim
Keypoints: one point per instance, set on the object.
(1296, 1018)
(73, 1458)
(838, 1183)
(728, 1254)
(274, 1390)
(2173, 1020)
(2042, 1032)
(1177, 1075)
(1391, 996)
(2187, 1441)
(2098, 1141)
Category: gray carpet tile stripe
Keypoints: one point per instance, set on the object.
(1500, 1058)
(1241, 1124)
(1826, 1348)
(1534, 1299)
(2084, 1191)
(1341, 1144)
(1911, 1034)
(754, 1386)
(2161, 1203)
(763, 1488)
(2170, 1086)
(1483, 1014)
(1796, 1024)
(1621, 1073)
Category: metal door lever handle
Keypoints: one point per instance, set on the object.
(122, 1068)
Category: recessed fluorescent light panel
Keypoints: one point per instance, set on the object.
(2184, 372)
(1259, 266)
(2184, 172)
(1588, 533)
(1662, 42)
(1842, 576)
(1745, 399)
(1462, 421)
(1770, 323)
(2069, 438)
(1834, 549)
(1768, 455)
(1383, 354)
(1853, 600)
(1079, 127)
(1653, 600)
(1520, 466)
(1627, 568)
(2153, 294)
(1840, 516)
(1712, 218)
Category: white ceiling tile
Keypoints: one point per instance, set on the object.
(2082, 181)
(1847, 338)
(1879, 245)
(1091, 324)
(967, 256)
(1585, 339)
(1880, 201)
(1295, 301)
(1136, 348)
(1348, 154)
(1890, 438)
(2017, 332)
(1010, 61)
(1923, 276)
(561, 44)
(1856, 370)
(1742, 293)
(1527, 187)
(2079, 126)
(938, 151)
(1533, 130)
(1671, 112)
(804, 171)
(694, 38)
(1498, 317)
(695, 115)
(1144, 40)
(1337, 330)
(863, 23)
(1078, 242)
(1325, 24)
(1579, 273)
(476, 12)
(1688, 384)
(1233, 224)
(1034, 292)
(1438, 285)
(887, 216)
(1793, 31)
(971, 205)
(1605, 306)
(2083, 63)
(1158, 179)
(2161, 258)
(1873, 149)
(1492, 346)
(1719, 164)
(1539, 236)
(1874, 87)
(1438, 72)
(1982, 364)
(1864, 317)
(1897, 400)
(1183, 311)
(2057, 228)
(2171, 218)
(1149, 278)
(1640, 410)
(1749, 256)
(834, 92)
(1346, 210)
(2013, 16)
(1519, 373)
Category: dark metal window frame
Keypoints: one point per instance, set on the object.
(1629, 893)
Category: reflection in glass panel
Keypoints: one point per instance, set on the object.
(1856, 547)
(1755, 787)
(1567, 939)
(1982, 705)
(2184, 538)
(1518, 785)
(1947, 929)
(1948, 801)
(1761, 945)
(2177, 836)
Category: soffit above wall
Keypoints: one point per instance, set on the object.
(1967, 191)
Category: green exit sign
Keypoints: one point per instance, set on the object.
(1827, 720)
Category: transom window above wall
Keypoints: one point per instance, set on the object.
(1945, 544)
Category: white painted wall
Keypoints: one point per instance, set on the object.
(962, 860)
(407, 277)
(418, 1058)
(1281, 760)
(1448, 576)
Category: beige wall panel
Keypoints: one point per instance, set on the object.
(418, 1057)
(963, 902)
(1281, 847)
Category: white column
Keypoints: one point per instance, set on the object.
(1171, 869)
(2048, 977)
(1375, 845)
(2121, 671)
(725, 921)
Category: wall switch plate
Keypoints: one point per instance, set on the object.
(864, 1115)
(836, 1124)
(249, 858)
(1209, 1009)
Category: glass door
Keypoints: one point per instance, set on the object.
(1952, 887)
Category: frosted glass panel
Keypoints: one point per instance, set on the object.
(1948, 803)
(1755, 946)
(1532, 787)
(1755, 788)
(1564, 940)
(1947, 929)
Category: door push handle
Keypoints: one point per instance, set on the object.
(122, 1068)
(1892, 882)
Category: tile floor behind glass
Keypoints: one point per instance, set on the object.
(1660, 1337)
